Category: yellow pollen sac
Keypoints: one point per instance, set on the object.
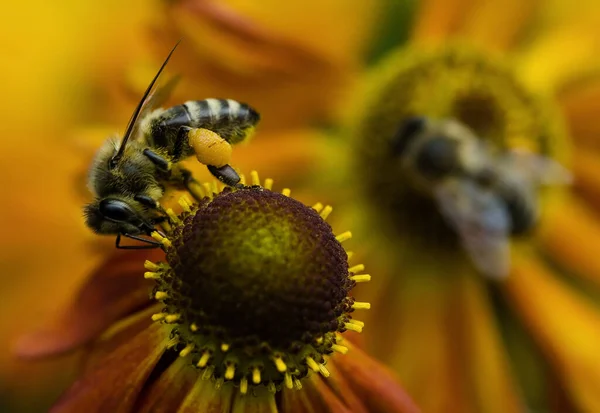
(286, 192)
(151, 275)
(158, 316)
(353, 327)
(323, 370)
(288, 381)
(164, 241)
(204, 359)
(298, 384)
(185, 204)
(312, 364)
(225, 347)
(339, 349)
(254, 178)
(344, 236)
(350, 254)
(187, 350)
(173, 217)
(171, 318)
(209, 147)
(256, 375)
(244, 385)
(161, 295)
(326, 211)
(279, 364)
(230, 372)
(268, 184)
(362, 278)
(356, 268)
(150, 266)
(194, 327)
(361, 306)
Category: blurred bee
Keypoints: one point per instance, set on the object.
(129, 176)
(486, 196)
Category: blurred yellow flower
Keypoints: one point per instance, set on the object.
(521, 78)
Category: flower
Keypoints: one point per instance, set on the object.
(529, 341)
(253, 299)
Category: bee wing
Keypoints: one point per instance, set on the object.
(481, 221)
(157, 97)
(536, 169)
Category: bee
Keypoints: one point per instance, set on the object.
(128, 176)
(484, 194)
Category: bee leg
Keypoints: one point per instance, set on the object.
(150, 243)
(189, 182)
(157, 160)
(150, 203)
(181, 141)
(225, 174)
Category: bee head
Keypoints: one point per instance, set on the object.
(407, 132)
(114, 216)
(438, 157)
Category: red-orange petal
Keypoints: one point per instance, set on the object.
(372, 383)
(113, 291)
(115, 383)
(580, 105)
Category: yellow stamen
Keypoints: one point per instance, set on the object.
(286, 192)
(256, 375)
(151, 275)
(204, 359)
(288, 381)
(171, 318)
(150, 266)
(279, 364)
(319, 340)
(219, 383)
(214, 187)
(350, 254)
(298, 384)
(196, 190)
(312, 364)
(271, 387)
(268, 184)
(161, 295)
(187, 350)
(242, 179)
(326, 211)
(166, 226)
(164, 241)
(339, 349)
(317, 207)
(361, 306)
(324, 370)
(357, 268)
(254, 178)
(225, 347)
(174, 219)
(344, 236)
(353, 327)
(358, 323)
(230, 372)
(185, 204)
(158, 316)
(244, 385)
(362, 278)
(193, 327)
(208, 373)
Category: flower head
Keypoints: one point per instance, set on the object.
(253, 299)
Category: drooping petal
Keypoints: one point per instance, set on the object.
(488, 364)
(439, 19)
(497, 24)
(580, 105)
(115, 383)
(370, 382)
(114, 290)
(575, 221)
(564, 324)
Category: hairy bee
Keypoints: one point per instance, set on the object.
(128, 176)
(484, 194)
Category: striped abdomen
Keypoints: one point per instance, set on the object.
(231, 120)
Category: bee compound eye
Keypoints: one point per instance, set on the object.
(116, 210)
(438, 157)
(407, 131)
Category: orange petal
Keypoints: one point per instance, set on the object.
(581, 105)
(586, 169)
(488, 365)
(205, 398)
(572, 237)
(564, 324)
(497, 24)
(439, 19)
(167, 392)
(372, 383)
(114, 385)
(114, 290)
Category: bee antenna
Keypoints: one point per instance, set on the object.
(138, 109)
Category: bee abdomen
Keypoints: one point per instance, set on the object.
(230, 119)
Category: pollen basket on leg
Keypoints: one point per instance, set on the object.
(257, 287)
